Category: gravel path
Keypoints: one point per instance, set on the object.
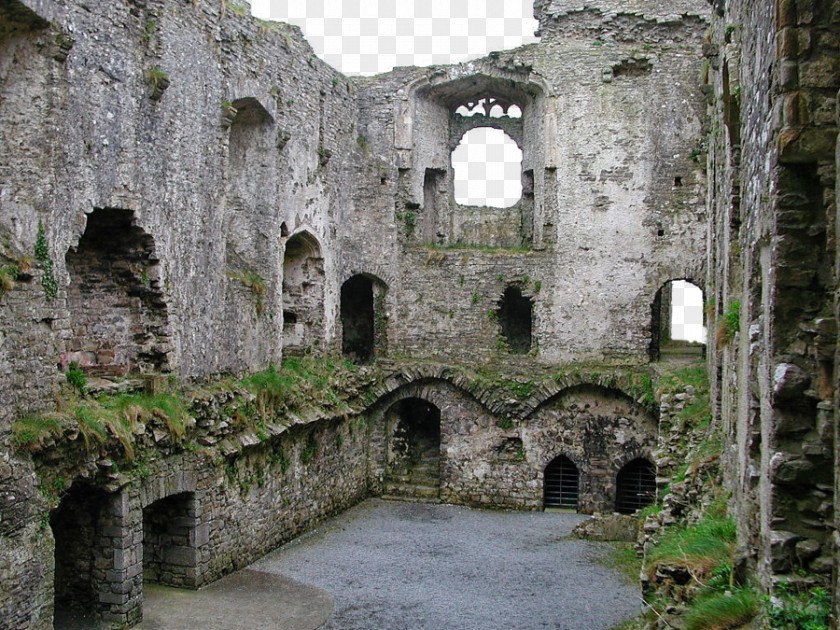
(404, 566)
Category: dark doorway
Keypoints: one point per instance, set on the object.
(357, 319)
(635, 486)
(413, 451)
(561, 484)
(515, 318)
(78, 581)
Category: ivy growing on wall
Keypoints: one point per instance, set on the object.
(42, 253)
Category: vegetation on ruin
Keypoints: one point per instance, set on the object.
(42, 254)
(8, 275)
(731, 323)
(483, 249)
(99, 419)
(793, 609)
(256, 283)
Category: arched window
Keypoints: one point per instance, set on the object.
(635, 486)
(488, 169)
(561, 484)
(677, 321)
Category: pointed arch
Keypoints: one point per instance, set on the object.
(303, 294)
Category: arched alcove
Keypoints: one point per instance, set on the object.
(412, 430)
(169, 553)
(303, 295)
(561, 484)
(635, 486)
(118, 316)
(76, 527)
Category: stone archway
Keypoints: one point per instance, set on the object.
(412, 430)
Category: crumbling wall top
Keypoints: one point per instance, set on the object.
(652, 10)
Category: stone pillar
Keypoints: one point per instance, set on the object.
(119, 556)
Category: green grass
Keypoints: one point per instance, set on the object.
(702, 548)
(101, 418)
(792, 610)
(31, 431)
(722, 611)
(622, 558)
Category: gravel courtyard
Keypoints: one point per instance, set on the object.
(407, 566)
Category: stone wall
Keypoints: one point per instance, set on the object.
(614, 188)
(772, 86)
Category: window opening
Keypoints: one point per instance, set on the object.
(677, 328)
(515, 314)
(635, 486)
(303, 294)
(357, 319)
(488, 165)
(561, 484)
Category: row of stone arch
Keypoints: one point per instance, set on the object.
(635, 485)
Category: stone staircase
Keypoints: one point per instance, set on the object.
(419, 482)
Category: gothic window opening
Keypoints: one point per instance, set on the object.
(635, 486)
(515, 315)
(561, 484)
(303, 295)
(677, 321)
(487, 165)
(169, 552)
(118, 315)
(75, 525)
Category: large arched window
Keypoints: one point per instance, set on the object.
(635, 486)
(561, 484)
(488, 169)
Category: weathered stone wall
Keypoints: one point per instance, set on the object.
(773, 82)
(616, 197)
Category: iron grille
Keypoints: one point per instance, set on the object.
(635, 486)
(561, 484)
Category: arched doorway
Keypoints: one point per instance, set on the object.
(413, 449)
(635, 486)
(561, 485)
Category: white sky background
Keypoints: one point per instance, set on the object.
(372, 36)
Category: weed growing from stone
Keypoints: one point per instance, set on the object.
(789, 609)
(723, 610)
(42, 254)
